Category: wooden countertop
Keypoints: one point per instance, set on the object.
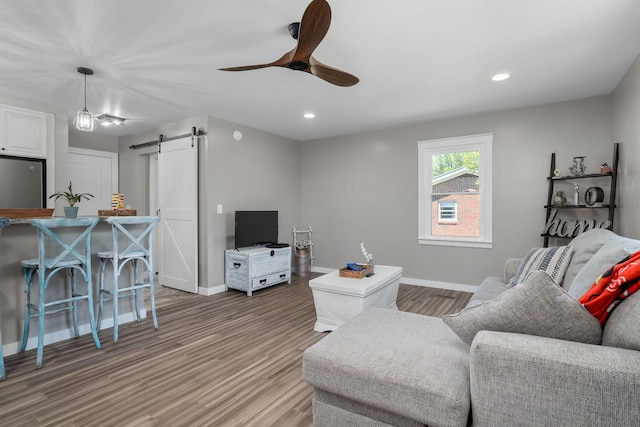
(17, 221)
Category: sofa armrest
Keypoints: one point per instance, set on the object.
(510, 267)
(528, 380)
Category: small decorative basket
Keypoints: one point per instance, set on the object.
(346, 272)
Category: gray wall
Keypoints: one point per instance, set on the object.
(363, 187)
(626, 130)
(92, 141)
(261, 172)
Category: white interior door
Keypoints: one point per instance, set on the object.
(94, 172)
(178, 203)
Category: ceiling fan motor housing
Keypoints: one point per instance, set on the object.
(299, 65)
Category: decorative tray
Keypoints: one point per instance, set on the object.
(346, 272)
(121, 212)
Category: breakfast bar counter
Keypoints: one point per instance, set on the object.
(19, 241)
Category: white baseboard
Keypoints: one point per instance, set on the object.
(65, 334)
(212, 290)
(417, 282)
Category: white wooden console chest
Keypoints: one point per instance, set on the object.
(253, 268)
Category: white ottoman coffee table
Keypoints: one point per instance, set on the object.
(338, 299)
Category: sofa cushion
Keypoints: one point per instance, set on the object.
(511, 268)
(584, 246)
(609, 254)
(554, 261)
(537, 306)
(404, 363)
(490, 288)
(623, 326)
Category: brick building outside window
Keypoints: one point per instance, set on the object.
(455, 207)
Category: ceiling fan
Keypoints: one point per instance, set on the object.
(309, 33)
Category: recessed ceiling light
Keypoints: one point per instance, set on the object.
(309, 115)
(499, 77)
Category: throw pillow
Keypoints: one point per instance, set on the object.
(584, 246)
(609, 254)
(536, 307)
(554, 261)
(623, 327)
(614, 286)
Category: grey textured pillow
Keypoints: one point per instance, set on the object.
(554, 261)
(623, 326)
(536, 307)
(584, 246)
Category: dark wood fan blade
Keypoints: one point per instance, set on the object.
(313, 27)
(282, 62)
(331, 75)
(245, 67)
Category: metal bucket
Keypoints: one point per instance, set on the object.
(302, 262)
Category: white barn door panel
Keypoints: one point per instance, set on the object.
(178, 203)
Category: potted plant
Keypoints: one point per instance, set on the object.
(72, 198)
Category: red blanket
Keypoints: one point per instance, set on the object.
(616, 284)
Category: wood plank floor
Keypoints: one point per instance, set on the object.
(222, 360)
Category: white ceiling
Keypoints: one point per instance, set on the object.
(417, 60)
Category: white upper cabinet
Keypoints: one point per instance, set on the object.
(23, 132)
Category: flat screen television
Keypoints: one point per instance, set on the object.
(256, 228)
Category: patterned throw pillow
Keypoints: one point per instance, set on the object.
(554, 261)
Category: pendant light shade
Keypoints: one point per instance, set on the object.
(85, 121)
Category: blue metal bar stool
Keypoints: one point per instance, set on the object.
(69, 250)
(3, 223)
(133, 245)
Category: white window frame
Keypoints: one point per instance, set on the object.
(426, 149)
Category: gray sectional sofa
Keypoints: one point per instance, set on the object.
(532, 359)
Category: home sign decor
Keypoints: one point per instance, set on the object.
(563, 227)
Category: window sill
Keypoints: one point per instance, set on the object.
(458, 242)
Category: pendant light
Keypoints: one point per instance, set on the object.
(84, 120)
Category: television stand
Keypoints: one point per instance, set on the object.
(256, 267)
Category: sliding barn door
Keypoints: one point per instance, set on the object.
(178, 203)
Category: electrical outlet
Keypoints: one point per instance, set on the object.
(219, 209)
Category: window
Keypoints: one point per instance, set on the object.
(447, 211)
(454, 206)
